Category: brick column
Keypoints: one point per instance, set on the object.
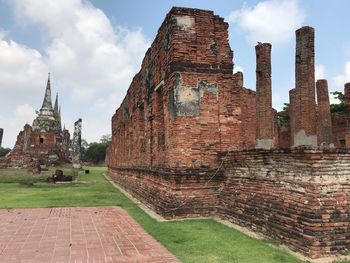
(1, 134)
(305, 105)
(347, 112)
(324, 113)
(291, 112)
(263, 96)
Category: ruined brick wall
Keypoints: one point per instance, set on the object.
(249, 119)
(36, 145)
(299, 197)
(324, 120)
(284, 138)
(184, 105)
(296, 196)
(173, 193)
(339, 130)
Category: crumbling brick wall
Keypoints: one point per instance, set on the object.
(298, 196)
(183, 106)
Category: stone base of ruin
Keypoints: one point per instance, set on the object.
(265, 144)
(302, 139)
(296, 196)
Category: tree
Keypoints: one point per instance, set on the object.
(106, 138)
(95, 152)
(283, 115)
(338, 108)
(4, 151)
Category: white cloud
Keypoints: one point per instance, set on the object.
(88, 56)
(25, 111)
(20, 66)
(86, 53)
(341, 79)
(271, 21)
(237, 69)
(320, 71)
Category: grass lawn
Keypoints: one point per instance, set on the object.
(190, 240)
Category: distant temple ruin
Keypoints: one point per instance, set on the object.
(44, 141)
(1, 135)
(189, 140)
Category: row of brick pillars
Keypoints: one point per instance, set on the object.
(310, 124)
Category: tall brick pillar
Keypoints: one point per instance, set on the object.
(305, 105)
(1, 134)
(324, 114)
(291, 112)
(263, 96)
(347, 112)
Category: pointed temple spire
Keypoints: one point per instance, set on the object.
(47, 103)
(56, 104)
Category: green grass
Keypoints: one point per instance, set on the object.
(202, 240)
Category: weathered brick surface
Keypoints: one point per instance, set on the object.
(324, 120)
(264, 112)
(339, 128)
(173, 193)
(184, 105)
(300, 197)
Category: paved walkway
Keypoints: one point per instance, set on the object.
(90, 234)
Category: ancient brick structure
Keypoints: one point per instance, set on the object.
(76, 145)
(299, 196)
(264, 96)
(324, 114)
(184, 139)
(44, 141)
(304, 104)
(1, 135)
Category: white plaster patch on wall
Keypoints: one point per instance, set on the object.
(185, 23)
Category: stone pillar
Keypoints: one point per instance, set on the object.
(305, 133)
(347, 112)
(1, 134)
(324, 113)
(76, 151)
(291, 112)
(264, 115)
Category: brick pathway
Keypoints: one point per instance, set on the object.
(90, 234)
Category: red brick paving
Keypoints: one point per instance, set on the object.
(89, 234)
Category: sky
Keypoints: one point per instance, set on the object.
(93, 48)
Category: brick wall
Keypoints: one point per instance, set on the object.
(324, 120)
(184, 105)
(299, 197)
